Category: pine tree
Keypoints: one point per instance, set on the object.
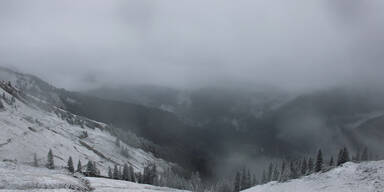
(50, 162)
(340, 157)
(95, 172)
(254, 180)
(237, 182)
(70, 165)
(346, 155)
(153, 175)
(310, 165)
(304, 167)
(115, 172)
(331, 163)
(110, 173)
(90, 169)
(132, 174)
(357, 156)
(293, 171)
(243, 183)
(1, 104)
(125, 173)
(120, 173)
(275, 175)
(196, 182)
(146, 175)
(282, 171)
(35, 160)
(249, 180)
(264, 177)
(364, 156)
(79, 167)
(343, 156)
(139, 177)
(270, 170)
(319, 162)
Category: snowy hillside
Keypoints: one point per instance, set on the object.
(24, 178)
(18, 177)
(33, 85)
(26, 129)
(351, 177)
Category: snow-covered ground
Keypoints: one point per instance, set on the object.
(109, 185)
(26, 129)
(15, 177)
(351, 177)
(18, 177)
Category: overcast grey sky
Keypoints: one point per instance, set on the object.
(294, 44)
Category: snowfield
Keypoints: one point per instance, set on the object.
(351, 177)
(109, 185)
(17, 177)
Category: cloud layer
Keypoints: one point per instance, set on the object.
(293, 44)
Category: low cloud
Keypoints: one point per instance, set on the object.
(294, 45)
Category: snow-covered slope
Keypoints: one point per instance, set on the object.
(109, 185)
(351, 177)
(32, 85)
(23, 178)
(26, 128)
(19, 177)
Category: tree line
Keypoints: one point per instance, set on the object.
(276, 171)
(293, 169)
(150, 175)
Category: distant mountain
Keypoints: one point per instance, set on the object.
(203, 106)
(206, 129)
(174, 140)
(268, 120)
(326, 119)
(147, 95)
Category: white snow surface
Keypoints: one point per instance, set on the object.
(351, 177)
(110, 185)
(17, 177)
(25, 130)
